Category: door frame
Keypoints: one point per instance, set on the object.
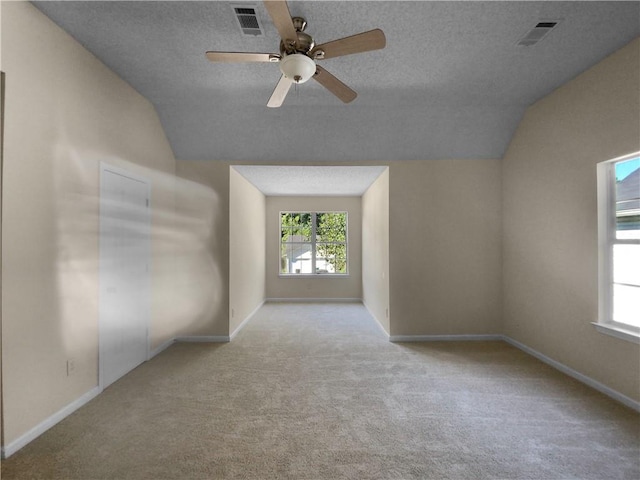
(2, 101)
(108, 168)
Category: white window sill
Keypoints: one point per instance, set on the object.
(617, 332)
(314, 275)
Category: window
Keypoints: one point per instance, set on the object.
(619, 244)
(313, 243)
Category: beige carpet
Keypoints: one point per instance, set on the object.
(316, 392)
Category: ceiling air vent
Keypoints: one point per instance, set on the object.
(247, 19)
(537, 33)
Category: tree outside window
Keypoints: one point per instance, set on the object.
(313, 243)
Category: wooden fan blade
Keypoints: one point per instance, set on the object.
(228, 57)
(279, 13)
(280, 92)
(362, 42)
(334, 85)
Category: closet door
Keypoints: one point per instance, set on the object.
(124, 273)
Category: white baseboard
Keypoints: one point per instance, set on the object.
(313, 300)
(245, 321)
(35, 432)
(386, 334)
(160, 348)
(204, 339)
(629, 402)
(187, 339)
(45, 425)
(444, 338)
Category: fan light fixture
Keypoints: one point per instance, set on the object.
(297, 67)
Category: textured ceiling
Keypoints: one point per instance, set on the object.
(451, 83)
(339, 181)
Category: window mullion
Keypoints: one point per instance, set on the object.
(313, 243)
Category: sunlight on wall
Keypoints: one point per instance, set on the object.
(186, 290)
(197, 278)
(75, 246)
(68, 113)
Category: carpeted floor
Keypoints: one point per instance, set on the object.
(317, 392)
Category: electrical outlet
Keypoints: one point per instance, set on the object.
(71, 366)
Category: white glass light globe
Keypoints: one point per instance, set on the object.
(298, 67)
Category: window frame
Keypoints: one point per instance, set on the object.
(313, 242)
(607, 239)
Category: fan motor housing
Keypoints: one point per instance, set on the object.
(304, 42)
(304, 45)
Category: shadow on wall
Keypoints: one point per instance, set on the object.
(186, 282)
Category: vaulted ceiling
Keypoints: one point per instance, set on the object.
(451, 83)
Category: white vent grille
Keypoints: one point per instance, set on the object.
(538, 32)
(247, 19)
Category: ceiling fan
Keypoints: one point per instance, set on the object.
(298, 54)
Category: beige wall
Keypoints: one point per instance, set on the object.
(203, 201)
(445, 264)
(375, 249)
(550, 219)
(246, 249)
(349, 286)
(445, 250)
(65, 113)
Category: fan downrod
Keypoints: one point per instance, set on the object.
(299, 23)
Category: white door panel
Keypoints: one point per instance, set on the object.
(124, 282)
